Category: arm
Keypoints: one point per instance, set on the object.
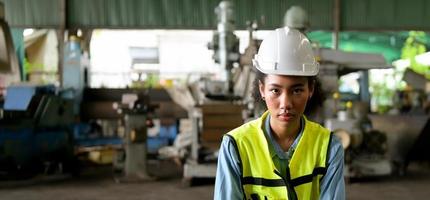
(333, 184)
(228, 175)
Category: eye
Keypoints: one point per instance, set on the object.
(298, 90)
(274, 91)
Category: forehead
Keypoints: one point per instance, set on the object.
(283, 80)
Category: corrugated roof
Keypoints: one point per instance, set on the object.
(199, 14)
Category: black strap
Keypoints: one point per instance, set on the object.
(328, 149)
(279, 182)
(262, 181)
(308, 178)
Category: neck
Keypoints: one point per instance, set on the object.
(283, 134)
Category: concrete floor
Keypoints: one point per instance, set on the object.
(97, 183)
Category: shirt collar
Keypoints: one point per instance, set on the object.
(275, 149)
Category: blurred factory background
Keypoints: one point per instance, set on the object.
(105, 99)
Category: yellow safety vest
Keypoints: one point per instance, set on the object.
(260, 178)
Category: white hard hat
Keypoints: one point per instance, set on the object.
(296, 17)
(286, 51)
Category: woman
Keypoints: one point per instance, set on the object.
(282, 155)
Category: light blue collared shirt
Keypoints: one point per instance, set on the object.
(228, 176)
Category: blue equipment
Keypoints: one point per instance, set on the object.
(35, 132)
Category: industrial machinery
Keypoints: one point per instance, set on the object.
(217, 108)
(404, 135)
(124, 116)
(46, 129)
(118, 118)
(226, 49)
(347, 114)
(134, 157)
(39, 132)
(408, 140)
(36, 133)
(365, 148)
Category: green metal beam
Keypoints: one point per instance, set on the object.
(389, 44)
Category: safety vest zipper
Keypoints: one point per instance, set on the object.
(290, 189)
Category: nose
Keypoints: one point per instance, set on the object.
(286, 102)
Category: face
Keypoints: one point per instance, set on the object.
(285, 97)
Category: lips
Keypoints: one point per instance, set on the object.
(286, 116)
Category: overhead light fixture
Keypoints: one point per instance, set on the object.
(79, 33)
(28, 31)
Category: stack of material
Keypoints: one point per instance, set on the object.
(218, 119)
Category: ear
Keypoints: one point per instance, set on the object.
(261, 88)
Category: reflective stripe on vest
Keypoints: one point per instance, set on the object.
(260, 178)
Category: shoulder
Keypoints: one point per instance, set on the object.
(316, 130)
(315, 125)
(228, 143)
(245, 129)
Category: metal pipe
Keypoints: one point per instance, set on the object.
(225, 28)
(336, 20)
(60, 35)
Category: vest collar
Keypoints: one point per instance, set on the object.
(274, 148)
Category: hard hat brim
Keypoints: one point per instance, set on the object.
(310, 69)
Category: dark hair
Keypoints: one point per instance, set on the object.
(313, 103)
